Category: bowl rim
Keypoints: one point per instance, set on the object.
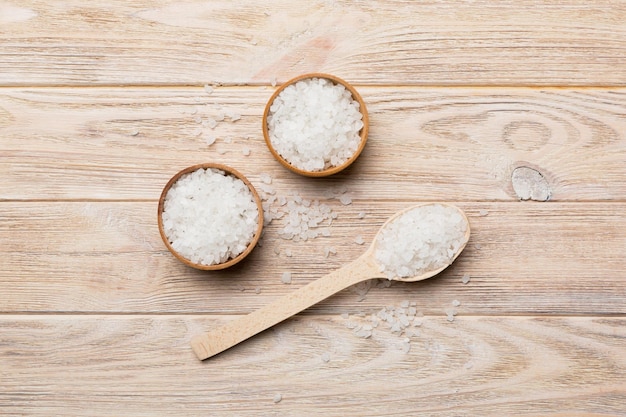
(229, 171)
(363, 133)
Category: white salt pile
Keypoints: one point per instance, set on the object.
(302, 218)
(314, 124)
(402, 321)
(209, 216)
(423, 239)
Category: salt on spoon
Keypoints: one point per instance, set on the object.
(430, 236)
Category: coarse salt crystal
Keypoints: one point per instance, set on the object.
(286, 278)
(266, 178)
(345, 199)
(212, 123)
(209, 139)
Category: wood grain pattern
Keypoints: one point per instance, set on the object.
(523, 258)
(437, 144)
(473, 366)
(102, 102)
(141, 42)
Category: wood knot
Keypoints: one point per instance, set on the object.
(530, 184)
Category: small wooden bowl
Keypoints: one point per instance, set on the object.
(363, 133)
(229, 171)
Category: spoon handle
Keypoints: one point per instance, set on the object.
(242, 328)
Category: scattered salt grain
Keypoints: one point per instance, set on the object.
(314, 124)
(209, 216)
(450, 313)
(423, 239)
(209, 139)
(246, 151)
(361, 215)
(208, 89)
(364, 332)
(456, 303)
(359, 240)
(326, 357)
(288, 253)
(483, 213)
(406, 346)
(134, 132)
(286, 278)
(232, 116)
(265, 178)
(412, 333)
(211, 123)
(257, 290)
(273, 82)
(345, 199)
(465, 279)
(277, 398)
(478, 246)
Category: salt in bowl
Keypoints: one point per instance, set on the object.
(280, 155)
(196, 222)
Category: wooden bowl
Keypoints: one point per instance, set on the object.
(229, 171)
(333, 169)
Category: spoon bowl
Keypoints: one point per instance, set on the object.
(365, 267)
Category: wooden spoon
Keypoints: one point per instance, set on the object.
(363, 268)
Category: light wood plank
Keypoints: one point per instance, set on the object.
(523, 258)
(103, 365)
(439, 143)
(529, 42)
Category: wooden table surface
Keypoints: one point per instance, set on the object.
(102, 102)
